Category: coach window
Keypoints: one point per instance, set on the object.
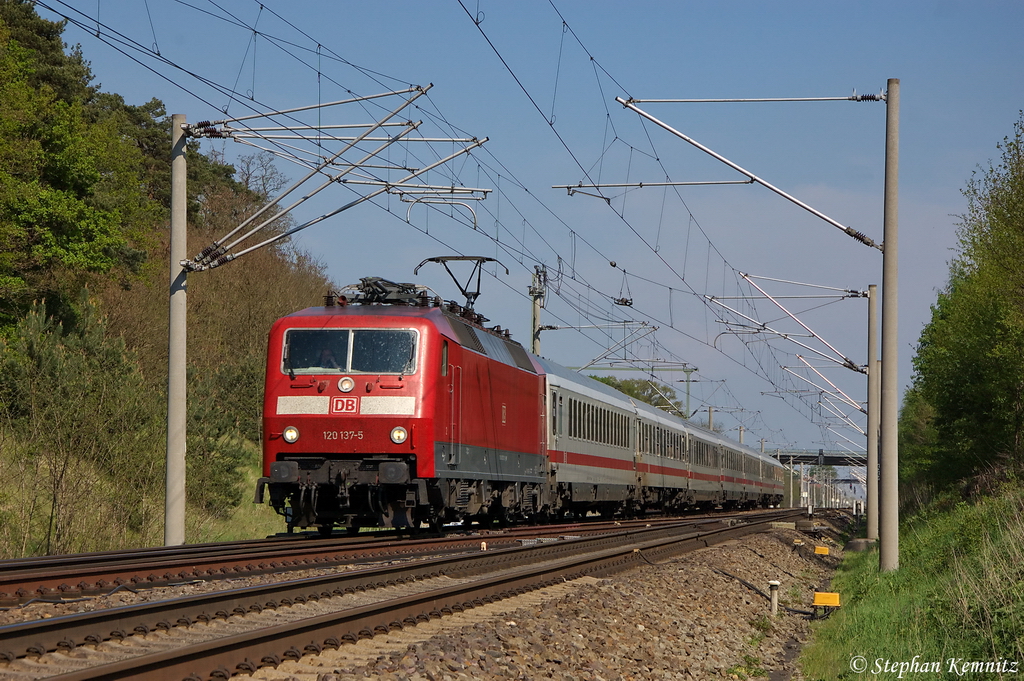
(444, 358)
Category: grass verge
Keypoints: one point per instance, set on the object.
(245, 521)
(957, 596)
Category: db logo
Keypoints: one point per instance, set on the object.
(345, 405)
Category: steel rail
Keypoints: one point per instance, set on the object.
(67, 632)
(247, 652)
(54, 577)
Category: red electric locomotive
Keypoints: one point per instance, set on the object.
(376, 413)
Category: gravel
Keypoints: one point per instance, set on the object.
(679, 619)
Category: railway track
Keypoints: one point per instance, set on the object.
(235, 631)
(56, 578)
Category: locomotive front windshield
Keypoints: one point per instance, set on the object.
(347, 351)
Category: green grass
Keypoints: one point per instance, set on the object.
(246, 521)
(959, 593)
(751, 668)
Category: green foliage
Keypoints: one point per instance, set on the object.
(67, 75)
(82, 428)
(965, 412)
(84, 197)
(751, 668)
(223, 418)
(644, 390)
(70, 195)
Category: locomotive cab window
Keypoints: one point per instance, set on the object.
(376, 351)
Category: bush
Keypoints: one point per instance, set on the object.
(80, 432)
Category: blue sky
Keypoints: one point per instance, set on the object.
(961, 67)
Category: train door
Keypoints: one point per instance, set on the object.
(643, 446)
(555, 419)
(688, 462)
(718, 453)
(454, 410)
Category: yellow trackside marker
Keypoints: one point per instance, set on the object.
(824, 598)
(822, 550)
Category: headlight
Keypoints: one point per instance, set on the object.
(291, 434)
(399, 435)
(346, 384)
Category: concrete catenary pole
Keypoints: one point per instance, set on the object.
(889, 545)
(174, 503)
(873, 409)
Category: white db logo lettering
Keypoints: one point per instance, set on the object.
(345, 405)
